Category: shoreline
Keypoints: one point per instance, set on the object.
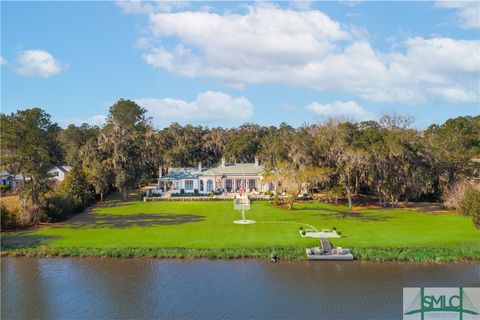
(428, 255)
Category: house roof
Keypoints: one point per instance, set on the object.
(182, 173)
(227, 169)
(64, 169)
(4, 173)
(235, 168)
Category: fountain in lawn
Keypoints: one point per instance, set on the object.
(242, 203)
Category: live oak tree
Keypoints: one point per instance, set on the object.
(215, 141)
(97, 167)
(73, 138)
(29, 146)
(243, 145)
(182, 145)
(123, 137)
(452, 146)
(292, 180)
(275, 145)
(335, 141)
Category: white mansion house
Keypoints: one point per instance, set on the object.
(224, 178)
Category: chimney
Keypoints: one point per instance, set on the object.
(223, 161)
(199, 166)
(256, 161)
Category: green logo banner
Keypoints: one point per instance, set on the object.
(441, 303)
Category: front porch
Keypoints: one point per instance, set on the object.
(233, 184)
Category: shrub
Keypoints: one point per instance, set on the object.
(8, 217)
(59, 206)
(470, 205)
(454, 195)
(182, 191)
(28, 214)
(195, 191)
(4, 189)
(277, 201)
(211, 194)
(76, 184)
(339, 233)
(187, 194)
(334, 228)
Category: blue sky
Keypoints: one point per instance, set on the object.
(226, 63)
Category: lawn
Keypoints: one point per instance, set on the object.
(208, 225)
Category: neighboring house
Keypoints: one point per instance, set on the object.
(6, 178)
(226, 177)
(18, 182)
(14, 181)
(58, 173)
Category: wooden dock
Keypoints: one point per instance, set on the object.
(327, 253)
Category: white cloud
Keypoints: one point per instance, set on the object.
(208, 108)
(96, 120)
(268, 44)
(301, 4)
(142, 43)
(455, 94)
(468, 12)
(37, 63)
(2, 61)
(342, 110)
(139, 6)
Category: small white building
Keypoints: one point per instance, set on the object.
(15, 182)
(58, 173)
(227, 177)
(6, 178)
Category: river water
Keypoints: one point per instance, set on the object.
(96, 288)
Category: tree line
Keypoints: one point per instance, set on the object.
(387, 159)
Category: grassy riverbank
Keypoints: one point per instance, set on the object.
(205, 229)
(371, 254)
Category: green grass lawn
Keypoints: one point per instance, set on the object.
(209, 225)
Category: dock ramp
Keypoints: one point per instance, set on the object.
(327, 246)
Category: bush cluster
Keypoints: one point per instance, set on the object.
(4, 189)
(8, 217)
(60, 205)
(189, 194)
(470, 205)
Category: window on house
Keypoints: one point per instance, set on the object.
(271, 187)
(209, 185)
(251, 184)
(229, 185)
(239, 182)
(201, 185)
(188, 184)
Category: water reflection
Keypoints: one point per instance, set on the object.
(148, 288)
